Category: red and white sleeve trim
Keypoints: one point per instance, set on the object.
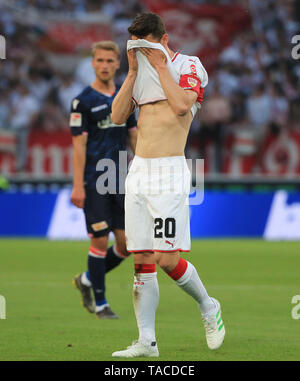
(175, 56)
(135, 102)
(191, 82)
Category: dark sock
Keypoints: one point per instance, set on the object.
(112, 260)
(96, 268)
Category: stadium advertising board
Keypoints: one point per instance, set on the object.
(273, 216)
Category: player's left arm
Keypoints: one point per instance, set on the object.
(132, 138)
(131, 125)
(179, 99)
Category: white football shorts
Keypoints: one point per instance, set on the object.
(157, 205)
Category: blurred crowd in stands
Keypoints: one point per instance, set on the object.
(254, 90)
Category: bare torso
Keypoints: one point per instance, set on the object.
(161, 133)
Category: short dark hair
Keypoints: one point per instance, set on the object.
(147, 23)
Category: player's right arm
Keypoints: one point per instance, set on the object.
(79, 138)
(123, 104)
(79, 155)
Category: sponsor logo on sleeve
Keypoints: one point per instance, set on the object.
(192, 81)
(75, 119)
(193, 69)
(75, 103)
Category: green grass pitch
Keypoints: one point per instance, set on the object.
(254, 280)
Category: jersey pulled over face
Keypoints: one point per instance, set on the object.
(90, 115)
(187, 71)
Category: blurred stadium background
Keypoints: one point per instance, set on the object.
(248, 131)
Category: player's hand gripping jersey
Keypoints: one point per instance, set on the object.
(187, 71)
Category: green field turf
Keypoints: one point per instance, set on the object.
(254, 280)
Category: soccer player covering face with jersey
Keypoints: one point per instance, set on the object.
(96, 137)
(157, 185)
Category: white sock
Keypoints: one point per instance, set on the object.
(100, 308)
(85, 280)
(192, 285)
(145, 300)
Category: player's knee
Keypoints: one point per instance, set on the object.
(99, 243)
(165, 266)
(163, 263)
(167, 262)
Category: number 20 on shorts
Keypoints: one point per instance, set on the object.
(165, 227)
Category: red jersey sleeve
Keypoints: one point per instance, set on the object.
(193, 76)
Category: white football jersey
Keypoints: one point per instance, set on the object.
(187, 71)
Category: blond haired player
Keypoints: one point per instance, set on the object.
(95, 137)
(156, 212)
